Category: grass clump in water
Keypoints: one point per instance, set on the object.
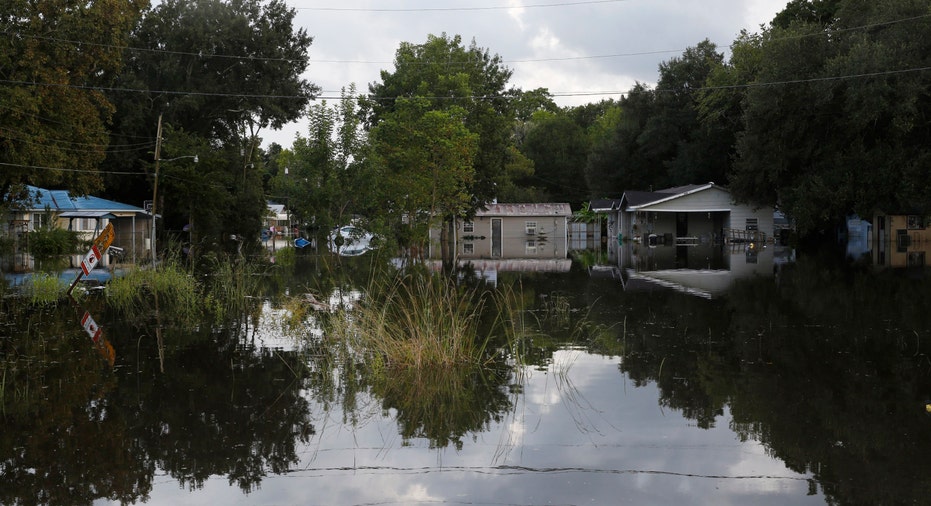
(44, 289)
(416, 321)
(136, 292)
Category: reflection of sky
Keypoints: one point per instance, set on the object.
(581, 433)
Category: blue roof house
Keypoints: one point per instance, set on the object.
(86, 215)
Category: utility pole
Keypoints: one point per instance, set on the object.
(158, 149)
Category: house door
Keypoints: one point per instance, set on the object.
(682, 224)
(496, 238)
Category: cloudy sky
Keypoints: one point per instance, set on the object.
(581, 50)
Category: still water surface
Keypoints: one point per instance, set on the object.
(807, 385)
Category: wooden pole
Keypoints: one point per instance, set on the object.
(158, 149)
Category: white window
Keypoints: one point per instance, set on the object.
(39, 220)
(86, 224)
(530, 247)
(530, 227)
(468, 227)
(468, 248)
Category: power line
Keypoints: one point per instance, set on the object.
(458, 9)
(40, 167)
(201, 54)
(471, 97)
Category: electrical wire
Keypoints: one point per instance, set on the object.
(458, 9)
(201, 54)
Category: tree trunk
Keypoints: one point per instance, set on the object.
(447, 233)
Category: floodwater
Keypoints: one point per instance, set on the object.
(748, 377)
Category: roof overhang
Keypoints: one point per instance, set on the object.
(88, 214)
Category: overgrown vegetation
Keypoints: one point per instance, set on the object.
(43, 289)
(416, 320)
(49, 242)
(143, 291)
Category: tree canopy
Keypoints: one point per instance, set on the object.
(443, 73)
(219, 71)
(55, 57)
(835, 117)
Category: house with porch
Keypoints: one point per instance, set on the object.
(686, 215)
(87, 215)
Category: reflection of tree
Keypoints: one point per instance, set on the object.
(75, 431)
(840, 384)
(63, 440)
(221, 408)
(825, 367)
(443, 405)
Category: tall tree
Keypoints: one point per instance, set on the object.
(446, 74)
(218, 70)
(691, 152)
(427, 163)
(617, 161)
(323, 178)
(558, 148)
(55, 57)
(837, 119)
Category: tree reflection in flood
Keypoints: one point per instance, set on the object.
(805, 387)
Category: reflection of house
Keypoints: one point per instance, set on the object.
(901, 240)
(705, 270)
(85, 215)
(511, 231)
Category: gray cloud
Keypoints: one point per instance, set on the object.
(354, 46)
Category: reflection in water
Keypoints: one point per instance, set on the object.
(806, 388)
(704, 270)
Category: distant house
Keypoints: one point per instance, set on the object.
(684, 215)
(85, 215)
(511, 231)
(278, 217)
(901, 239)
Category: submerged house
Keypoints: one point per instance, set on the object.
(693, 239)
(686, 215)
(512, 237)
(87, 216)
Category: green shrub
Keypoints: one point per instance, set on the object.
(49, 242)
(136, 292)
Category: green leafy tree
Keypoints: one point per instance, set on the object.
(220, 72)
(517, 185)
(446, 74)
(617, 161)
(558, 147)
(836, 120)
(54, 58)
(325, 183)
(691, 152)
(426, 162)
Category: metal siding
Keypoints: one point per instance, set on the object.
(711, 199)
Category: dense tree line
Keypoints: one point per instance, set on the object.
(88, 84)
(822, 113)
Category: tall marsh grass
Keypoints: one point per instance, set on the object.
(44, 289)
(416, 321)
(135, 293)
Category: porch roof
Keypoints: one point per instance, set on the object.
(640, 200)
(88, 214)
